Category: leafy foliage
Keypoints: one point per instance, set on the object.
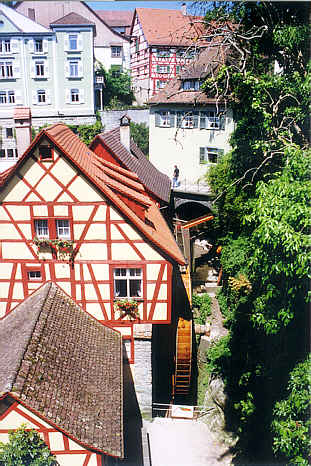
(88, 132)
(117, 93)
(262, 190)
(202, 304)
(140, 134)
(291, 424)
(25, 448)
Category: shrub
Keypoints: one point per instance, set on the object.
(203, 305)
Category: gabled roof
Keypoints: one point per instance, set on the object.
(66, 366)
(169, 27)
(72, 19)
(116, 18)
(154, 228)
(156, 182)
(207, 63)
(23, 23)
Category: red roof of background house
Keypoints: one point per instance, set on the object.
(116, 18)
(170, 27)
(113, 182)
(73, 19)
(66, 366)
(156, 182)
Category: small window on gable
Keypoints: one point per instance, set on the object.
(46, 153)
(34, 275)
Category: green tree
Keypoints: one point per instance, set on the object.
(140, 134)
(88, 132)
(117, 92)
(25, 448)
(262, 190)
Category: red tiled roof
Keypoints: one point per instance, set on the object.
(72, 19)
(116, 18)
(156, 182)
(66, 366)
(170, 27)
(154, 228)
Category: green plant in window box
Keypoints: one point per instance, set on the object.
(60, 248)
(127, 308)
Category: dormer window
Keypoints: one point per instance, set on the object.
(191, 85)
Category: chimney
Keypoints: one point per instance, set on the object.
(22, 123)
(184, 9)
(125, 134)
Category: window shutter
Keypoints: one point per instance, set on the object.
(202, 155)
(158, 68)
(157, 119)
(177, 69)
(80, 42)
(46, 69)
(16, 69)
(203, 116)
(179, 119)
(67, 69)
(31, 45)
(66, 42)
(48, 97)
(34, 98)
(80, 69)
(67, 96)
(167, 69)
(172, 119)
(222, 122)
(45, 45)
(81, 96)
(195, 119)
(18, 97)
(14, 45)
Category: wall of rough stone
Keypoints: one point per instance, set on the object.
(111, 118)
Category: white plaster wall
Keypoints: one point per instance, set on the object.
(181, 147)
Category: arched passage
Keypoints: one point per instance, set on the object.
(190, 209)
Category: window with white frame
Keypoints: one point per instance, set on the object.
(38, 45)
(116, 51)
(62, 228)
(163, 53)
(9, 133)
(73, 41)
(41, 96)
(187, 119)
(41, 228)
(127, 282)
(74, 95)
(6, 69)
(163, 69)
(210, 120)
(39, 69)
(5, 46)
(161, 84)
(165, 119)
(8, 154)
(191, 85)
(34, 275)
(210, 154)
(73, 68)
(7, 97)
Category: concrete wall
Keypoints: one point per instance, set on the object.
(111, 119)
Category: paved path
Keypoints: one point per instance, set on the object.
(179, 442)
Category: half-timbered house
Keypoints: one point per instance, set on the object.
(69, 216)
(162, 42)
(61, 374)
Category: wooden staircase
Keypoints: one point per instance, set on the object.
(182, 377)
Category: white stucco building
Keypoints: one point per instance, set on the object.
(188, 128)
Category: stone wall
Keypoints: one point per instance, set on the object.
(111, 118)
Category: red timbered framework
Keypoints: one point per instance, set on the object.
(28, 416)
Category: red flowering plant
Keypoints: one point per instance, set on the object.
(60, 248)
(127, 307)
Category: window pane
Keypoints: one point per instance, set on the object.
(120, 288)
(41, 228)
(135, 288)
(62, 229)
(34, 275)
